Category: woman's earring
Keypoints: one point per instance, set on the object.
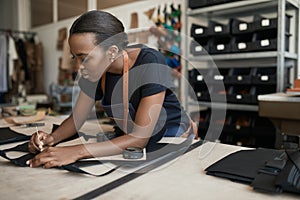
(112, 58)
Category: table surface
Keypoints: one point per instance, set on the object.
(280, 97)
(182, 178)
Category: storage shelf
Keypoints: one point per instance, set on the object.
(280, 57)
(240, 8)
(228, 106)
(252, 55)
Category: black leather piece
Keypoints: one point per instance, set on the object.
(267, 170)
(76, 167)
(288, 179)
(294, 156)
(243, 165)
(157, 151)
(9, 136)
(266, 183)
(21, 161)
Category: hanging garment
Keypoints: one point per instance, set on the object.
(3, 63)
(13, 55)
(22, 56)
(39, 70)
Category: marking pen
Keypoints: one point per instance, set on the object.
(38, 135)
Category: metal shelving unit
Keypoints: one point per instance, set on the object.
(280, 58)
(284, 61)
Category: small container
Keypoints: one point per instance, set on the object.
(200, 47)
(241, 94)
(219, 75)
(217, 29)
(220, 45)
(264, 76)
(239, 76)
(198, 31)
(101, 137)
(242, 43)
(201, 91)
(264, 23)
(240, 27)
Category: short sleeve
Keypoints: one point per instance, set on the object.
(92, 89)
(156, 75)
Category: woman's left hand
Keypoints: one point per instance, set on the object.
(56, 156)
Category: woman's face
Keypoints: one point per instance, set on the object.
(91, 60)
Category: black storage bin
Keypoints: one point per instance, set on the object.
(219, 94)
(216, 2)
(216, 28)
(264, 76)
(236, 126)
(203, 123)
(267, 41)
(239, 27)
(199, 31)
(263, 89)
(241, 94)
(262, 126)
(201, 91)
(240, 76)
(200, 47)
(241, 43)
(264, 132)
(241, 124)
(220, 45)
(193, 4)
(198, 76)
(263, 23)
(219, 75)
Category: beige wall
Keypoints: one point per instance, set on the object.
(48, 33)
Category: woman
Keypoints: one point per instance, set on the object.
(99, 46)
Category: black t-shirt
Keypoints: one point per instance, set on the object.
(148, 76)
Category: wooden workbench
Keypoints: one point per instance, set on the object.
(182, 178)
(283, 109)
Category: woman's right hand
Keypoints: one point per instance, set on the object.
(38, 142)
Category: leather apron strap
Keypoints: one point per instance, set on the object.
(125, 89)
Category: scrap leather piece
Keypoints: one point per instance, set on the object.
(9, 136)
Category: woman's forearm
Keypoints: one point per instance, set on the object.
(65, 130)
(112, 147)
(74, 122)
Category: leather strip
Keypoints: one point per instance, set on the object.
(125, 89)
